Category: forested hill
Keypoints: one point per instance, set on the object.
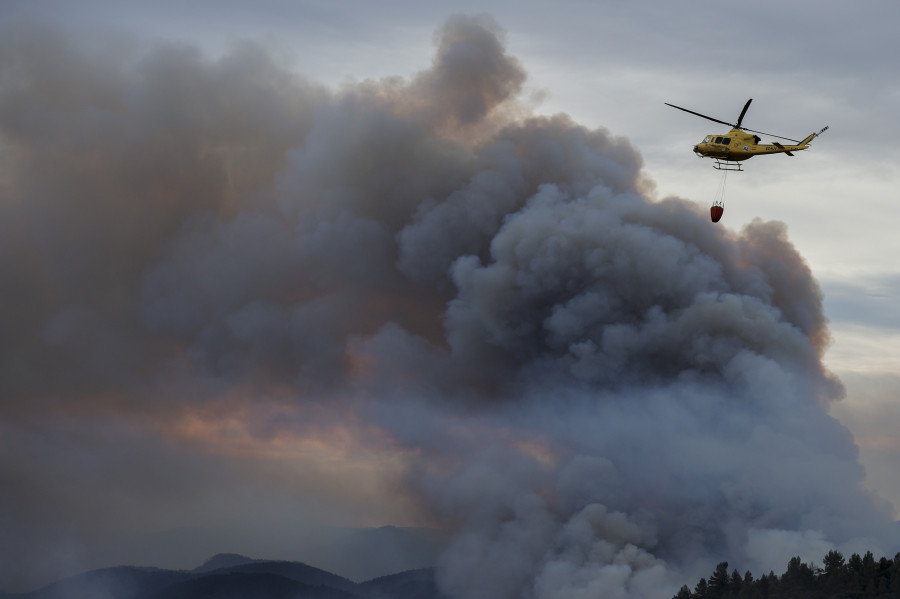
(855, 578)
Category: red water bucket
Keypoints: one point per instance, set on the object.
(715, 212)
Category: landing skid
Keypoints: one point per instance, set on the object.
(728, 165)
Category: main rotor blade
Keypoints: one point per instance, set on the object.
(770, 134)
(734, 125)
(743, 112)
(709, 118)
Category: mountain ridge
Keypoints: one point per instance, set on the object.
(222, 560)
(232, 575)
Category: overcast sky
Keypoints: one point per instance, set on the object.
(608, 65)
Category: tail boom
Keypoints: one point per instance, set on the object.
(803, 145)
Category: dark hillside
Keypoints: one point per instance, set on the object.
(413, 584)
(294, 571)
(122, 582)
(223, 560)
(232, 576)
(364, 554)
(246, 586)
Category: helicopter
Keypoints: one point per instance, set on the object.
(738, 144)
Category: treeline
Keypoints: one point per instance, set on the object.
(855, 578)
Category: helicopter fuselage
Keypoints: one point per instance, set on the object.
(738, 145)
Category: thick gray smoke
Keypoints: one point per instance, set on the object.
(599, 393)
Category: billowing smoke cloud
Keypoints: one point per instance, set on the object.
(598, 393)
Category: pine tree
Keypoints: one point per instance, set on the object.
(800, 579)
(718, 582)
(701, 591)
(894, 584)
(869, 582)
(683, 593)
(834, 576)
(853, 586)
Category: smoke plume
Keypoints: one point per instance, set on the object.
(598, 393)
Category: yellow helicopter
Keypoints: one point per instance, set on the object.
(730, 149)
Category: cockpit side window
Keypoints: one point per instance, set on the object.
(718, 140)
(708, 139)
(726, 140)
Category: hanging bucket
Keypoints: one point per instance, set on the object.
(716, 211)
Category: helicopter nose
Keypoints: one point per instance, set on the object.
(696, 148)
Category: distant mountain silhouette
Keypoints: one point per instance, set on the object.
(233, 576)
(242, 585)
(357, 553)
(413, 584)
(294, 571)
(223, 560)
(123, 582)
(367, 553)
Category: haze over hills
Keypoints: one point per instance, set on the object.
(227, 576)
(358, 553)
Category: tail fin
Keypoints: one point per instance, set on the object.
(813, 136)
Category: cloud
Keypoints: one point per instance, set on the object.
(594, 391)
(867, 303)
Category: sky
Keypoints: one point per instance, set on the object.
(298, 263)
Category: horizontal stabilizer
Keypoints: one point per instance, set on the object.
(775, 143)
